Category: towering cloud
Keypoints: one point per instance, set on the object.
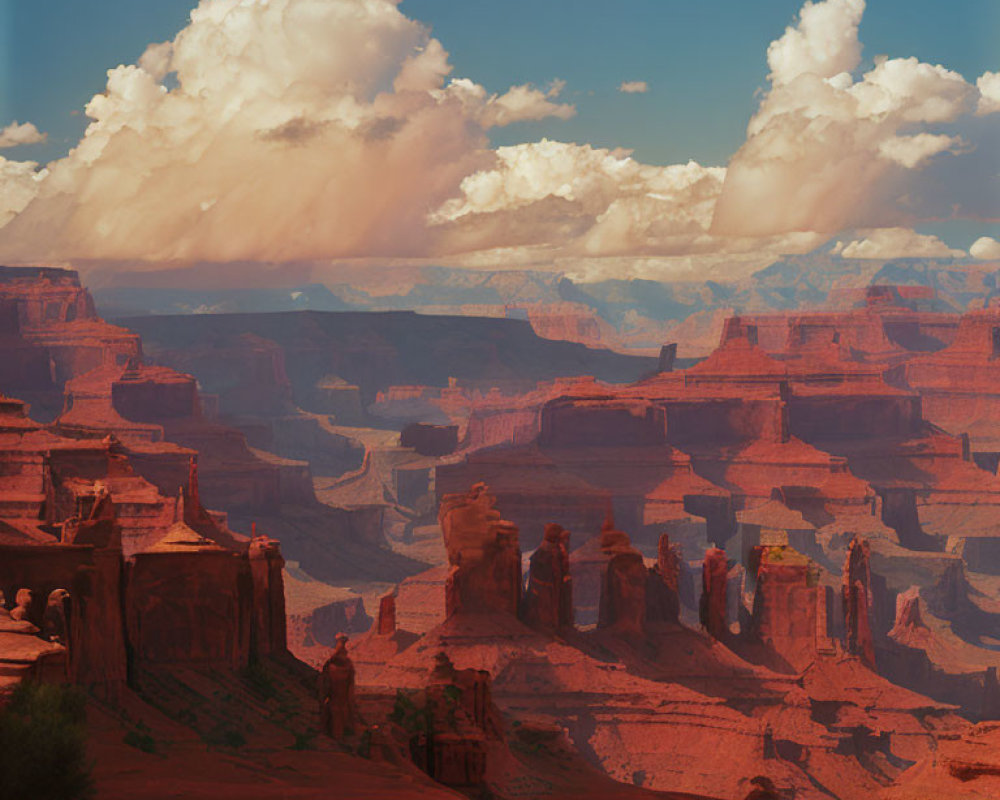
(281, 130)
(825, 151)
(986, 248)
(295, 129)
(825, 42)
(19, 181)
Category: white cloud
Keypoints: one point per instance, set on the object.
(986, 248)
(912, 151)
(592, 212)
(826, 152)
(989, 93)
(824, 43)
(18, 185)
(907, 90)
(517, 104)
(17, 134)
(634, 87)
(595, 200)
(315, 130)
(295, 129)
(886, 243)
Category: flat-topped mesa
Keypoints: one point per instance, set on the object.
(959, 384)
(623, 583)
(483, 552)
(739, 360)
(47, 308)
(856, 590)
(430, 440)
(602, 422)
(548, 600)
(662, 593)
(785, 605)
(203, 595)
(185, 576)
(154, 394)
(712, 608)
(45, 296)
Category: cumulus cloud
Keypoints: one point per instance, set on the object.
(634, 87)
(985, 247)
(597, 200)
(989, 93)
(824, 43)
(19, 182)
(317, 130)
(886, 243)
(294, 129)
(17, 134)
(912, 151)
(517, 104)
(592, 212)
(825, 151)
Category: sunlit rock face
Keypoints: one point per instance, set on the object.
(483, 552)
(785, 606)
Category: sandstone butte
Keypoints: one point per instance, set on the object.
(773, 574)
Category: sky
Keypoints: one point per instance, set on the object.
(453, 165)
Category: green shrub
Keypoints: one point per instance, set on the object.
(43, 741)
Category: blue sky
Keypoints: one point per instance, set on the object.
(703, 60)
(446, 196)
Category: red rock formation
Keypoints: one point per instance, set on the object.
(856, 592)
(909, 626)
(548, 600)
(662, 590)
(785, 606)
(385, 622)
(154, 394)
(483, 553)
(814, 425)
(87, 565)
(183, 602)
(54, 334)
(668, 355)
(430, 440)
(460, 715)
(338, 706)
(714, 575)
(601, 421)
(623, 583)
(964, 767)
(570, 322)
(268, 636)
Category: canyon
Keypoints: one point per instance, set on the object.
(591, 573)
